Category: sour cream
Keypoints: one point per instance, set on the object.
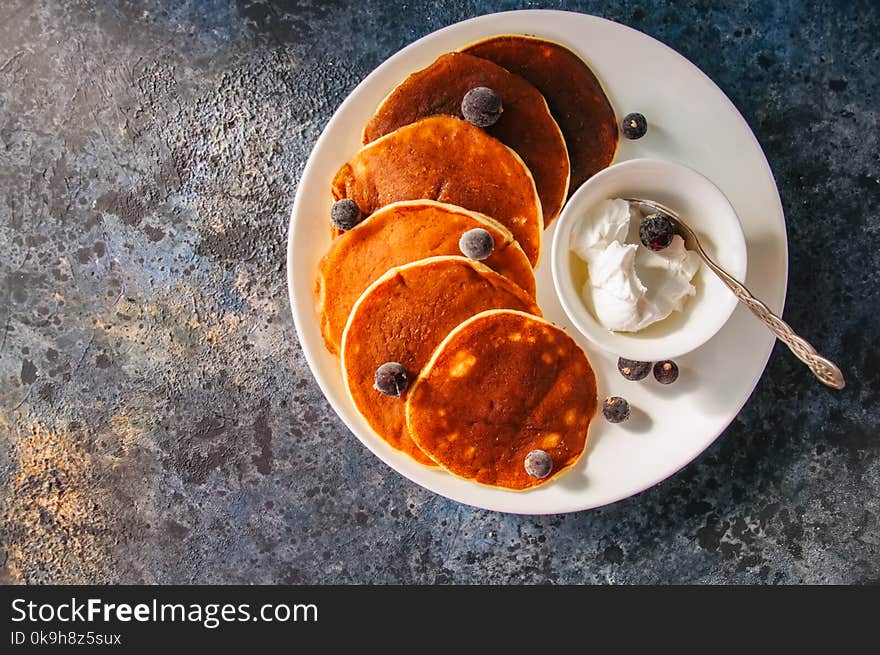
(630, 287)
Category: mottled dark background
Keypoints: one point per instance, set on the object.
(159, 422)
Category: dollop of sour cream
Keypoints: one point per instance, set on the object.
(630, 287)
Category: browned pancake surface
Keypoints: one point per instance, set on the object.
(575, 96)
(398, 234)
(525, 125)
(501, 385)
(402, 317)
(449, 160)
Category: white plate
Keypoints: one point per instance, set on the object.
(690, 121)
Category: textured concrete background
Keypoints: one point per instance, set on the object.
(159, 423)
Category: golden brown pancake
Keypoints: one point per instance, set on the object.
(402, 317)
(575, 96)
(500, 385)
(525, 125)
(446, 159)
(397, 234)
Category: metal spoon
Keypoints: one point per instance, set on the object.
(822, 368)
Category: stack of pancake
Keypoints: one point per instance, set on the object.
(489, 381)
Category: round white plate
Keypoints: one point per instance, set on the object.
(690, 121)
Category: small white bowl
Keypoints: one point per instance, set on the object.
(704, 208)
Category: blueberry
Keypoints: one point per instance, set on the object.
(615, 409)
(345, 214)
(481, 106)
(656, 232)
(633, 369)
(666, 372)
(539, 463)
(634, 126)
(477, 244)
(391, 378)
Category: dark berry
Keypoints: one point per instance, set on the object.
(539, 464)
(345, 214)
(666, 372)
(477, 244)
(633, 369)
(391, 379)
(634, 126)
(656, 232)
(481, 106)
(615, 409)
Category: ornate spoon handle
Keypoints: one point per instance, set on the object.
(822, 368)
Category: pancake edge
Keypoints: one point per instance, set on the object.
(390, 273)
(320, 286)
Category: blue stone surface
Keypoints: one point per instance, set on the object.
(158, 422)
